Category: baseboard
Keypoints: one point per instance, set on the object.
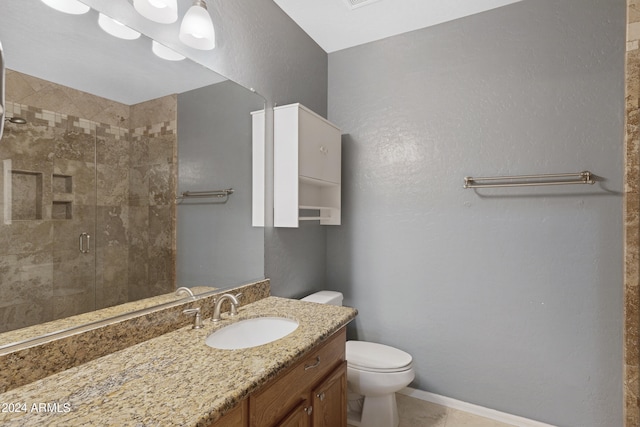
(481, 411)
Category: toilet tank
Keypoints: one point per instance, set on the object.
(325, 297)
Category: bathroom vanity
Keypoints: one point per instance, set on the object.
(312, 393)
(176, 379)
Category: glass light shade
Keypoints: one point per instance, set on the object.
(164, 52)
(160, 11)
(196, 30)
(116, 28)
(73, 7)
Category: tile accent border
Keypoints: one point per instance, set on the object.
(631, 315)
(480, 411)
(67, 122)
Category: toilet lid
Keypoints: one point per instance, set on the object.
(376, 357)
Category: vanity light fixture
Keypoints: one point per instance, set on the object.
(197, 30)
(164, 52)
(72, 7)
(116, 28)
(160, 11)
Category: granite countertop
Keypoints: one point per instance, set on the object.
(78, 320)
(174, 379)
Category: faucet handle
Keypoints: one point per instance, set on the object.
(197, 322)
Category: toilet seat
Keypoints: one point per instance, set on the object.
(374, 357)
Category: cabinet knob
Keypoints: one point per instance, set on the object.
(324, 150)
(308, 410)
(320, 396)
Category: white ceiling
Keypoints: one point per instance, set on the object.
(334, 25)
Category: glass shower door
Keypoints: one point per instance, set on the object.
(48, 185)
(73, 217)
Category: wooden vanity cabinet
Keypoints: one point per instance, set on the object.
(330, 400)
(311, 393)
(237, 417)
(300, 395)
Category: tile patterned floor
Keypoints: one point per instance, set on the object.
(419, 413)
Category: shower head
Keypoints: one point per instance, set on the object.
(16, 120)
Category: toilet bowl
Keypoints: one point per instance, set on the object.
(375, 372)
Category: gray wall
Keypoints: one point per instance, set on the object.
(216, 243)
(510, 299)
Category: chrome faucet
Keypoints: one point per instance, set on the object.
(182, 291)
(233, 300)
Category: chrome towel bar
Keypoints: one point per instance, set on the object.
(584, 177)
(203, 194)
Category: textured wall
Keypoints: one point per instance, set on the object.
(512, 298)
(218, 245)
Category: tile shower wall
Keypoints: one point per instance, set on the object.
(152, 198)
(74, 168)
(632, 221)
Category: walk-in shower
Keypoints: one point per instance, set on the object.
(2, 108)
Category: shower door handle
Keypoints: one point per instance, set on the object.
(84, 237)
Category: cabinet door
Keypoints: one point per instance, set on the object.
(275, 400)
(330, 400)
(298, 417)
(237, 417)
(320, 153)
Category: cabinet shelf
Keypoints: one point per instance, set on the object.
(314, 208)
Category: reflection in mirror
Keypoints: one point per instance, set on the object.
(90, 176)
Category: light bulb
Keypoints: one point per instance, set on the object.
(73, 7)
(164, 52)
(116, 28)
(197, 29)
(161, 11)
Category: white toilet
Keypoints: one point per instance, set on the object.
(375, 372)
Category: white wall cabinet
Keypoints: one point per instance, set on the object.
(307, 167)
(257, 166)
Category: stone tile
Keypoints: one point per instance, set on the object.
(456, 418)
(632, 227)
(112, 151)
(139, 151)
(632, 387)
(74, 145)
(418, 413)
(139, 185)
(154, 111)
(112, 225)
(162, 150)
(26, 237)
(113, 185)
(82, 176)
(161, 185)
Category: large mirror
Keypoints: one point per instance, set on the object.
(101, 138)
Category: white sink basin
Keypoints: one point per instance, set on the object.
(251, 333)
